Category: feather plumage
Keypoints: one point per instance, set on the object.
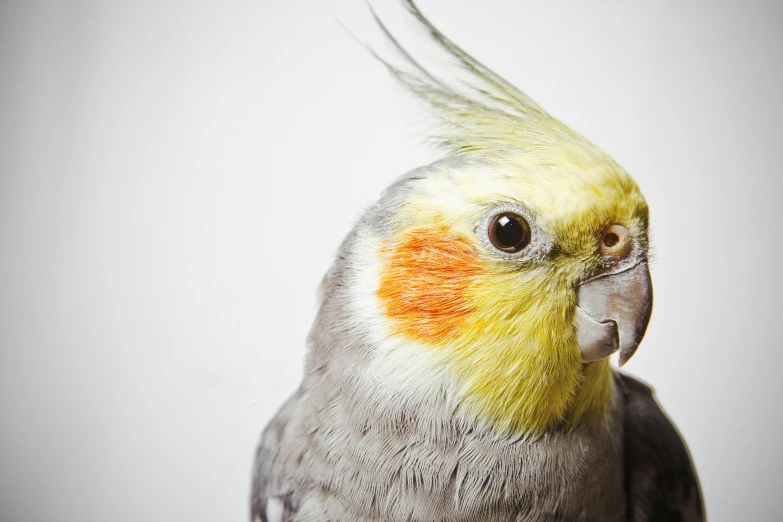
(476, 109)
(444, 379)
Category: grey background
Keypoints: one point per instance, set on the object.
(175, 177)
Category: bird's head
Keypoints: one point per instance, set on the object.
(519, 260)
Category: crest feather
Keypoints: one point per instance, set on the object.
(479, 110)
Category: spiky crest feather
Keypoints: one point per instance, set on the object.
(482, 111)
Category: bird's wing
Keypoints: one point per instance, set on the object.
(262, 507)
(660, 481)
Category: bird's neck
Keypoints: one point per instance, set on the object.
(593, 395)
(533, 386)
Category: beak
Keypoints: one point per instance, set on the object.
(613, 312)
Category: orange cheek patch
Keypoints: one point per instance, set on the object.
(424, 284)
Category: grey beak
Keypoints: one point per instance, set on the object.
(613, 312)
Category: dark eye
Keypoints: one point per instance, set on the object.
(509, 232)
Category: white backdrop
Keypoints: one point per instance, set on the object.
(174, 181)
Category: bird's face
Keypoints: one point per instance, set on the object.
(522, 270)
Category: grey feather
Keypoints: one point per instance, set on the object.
(268, 448)
(660, 480)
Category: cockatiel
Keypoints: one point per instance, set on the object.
(458, 367)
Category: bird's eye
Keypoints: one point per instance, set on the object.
(509, 232)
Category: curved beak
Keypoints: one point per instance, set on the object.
(613, 312)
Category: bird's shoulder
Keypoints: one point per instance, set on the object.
(268, 448)
(660, 481)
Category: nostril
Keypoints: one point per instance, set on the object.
(611, 239)
(615, 242)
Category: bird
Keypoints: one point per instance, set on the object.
(458, 368)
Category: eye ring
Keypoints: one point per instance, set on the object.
(509, 232)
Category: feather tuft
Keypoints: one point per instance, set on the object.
(477, 110)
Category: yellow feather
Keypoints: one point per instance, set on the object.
(516, 353)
